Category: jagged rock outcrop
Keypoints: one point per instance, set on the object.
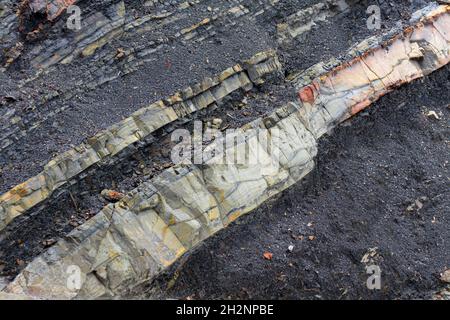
(336, 96)
(92, 44)
(163, 218)
(133, 240)
(55, 89)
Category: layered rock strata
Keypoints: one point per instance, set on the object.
(139, 126)
(93, 43)
(133, 240)
(50, 100)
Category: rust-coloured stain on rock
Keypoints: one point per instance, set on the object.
(307, 94)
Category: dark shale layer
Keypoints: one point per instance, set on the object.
(70, 206)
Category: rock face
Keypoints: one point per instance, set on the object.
(137, 127)
(303, 20)
(163, 218)
(100, 61)
(336, 96)
(52, 8)
(133, 240)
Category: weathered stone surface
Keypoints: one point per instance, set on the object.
(13, 297)
(99, 30)
(3, 283)
(112, 195)
(9, 36)
(52, 8)
(133, 240)
(334, 96)
(445, 276)
(131, 130)
(303, 20)
(147, 231)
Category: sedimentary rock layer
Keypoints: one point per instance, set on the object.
(133, 240)
(353, 86)
(138, 126)
(163, 218)
(46, 105)
(171, 25)
(25, 196)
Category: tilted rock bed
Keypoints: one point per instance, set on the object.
(68, 189)
(74, 197)
(361, 195)
(164, 218)
(289, 31)
(138, 55)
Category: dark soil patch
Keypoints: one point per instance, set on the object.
(369, 171)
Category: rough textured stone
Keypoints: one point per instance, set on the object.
(99, 29)
(303, 20)
(137, 127)
(332, 97)
(133, 240)
(147, 231)
(51, 8)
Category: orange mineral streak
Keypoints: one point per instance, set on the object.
(20, 190)
(115, 195)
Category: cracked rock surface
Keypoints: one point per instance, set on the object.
(367, 175)
(169, 209)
